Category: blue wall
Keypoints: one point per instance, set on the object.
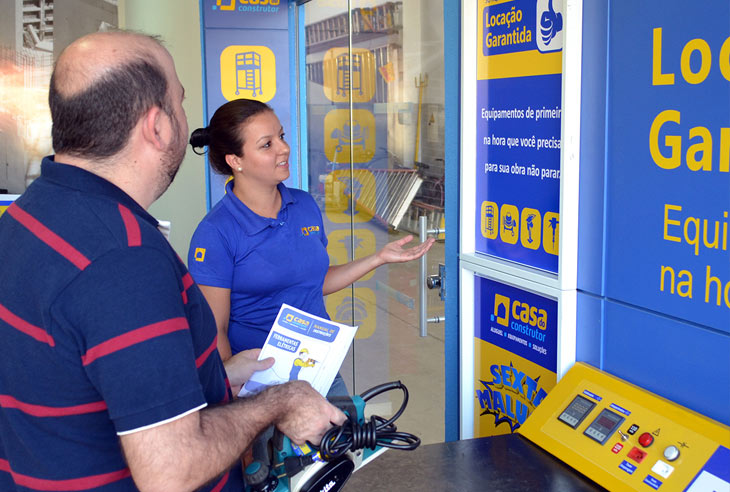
(637, 205)
(452, 133)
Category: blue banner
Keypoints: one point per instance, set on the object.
(517, 321)
(668, 185)
(246, 56)
(261, 14)
(519, 114)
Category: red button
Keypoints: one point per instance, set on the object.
(637, 455)
(646, 439)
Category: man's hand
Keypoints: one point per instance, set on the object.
(307, 414)
(241, 367)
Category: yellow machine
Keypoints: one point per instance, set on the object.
(626, 438)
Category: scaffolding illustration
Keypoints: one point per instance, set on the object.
(248, 72)
(347, 64)
(489, 215)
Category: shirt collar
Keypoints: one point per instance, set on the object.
(251, 222)
(80, 179)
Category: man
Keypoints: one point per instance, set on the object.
(299, 362)
(110, 378)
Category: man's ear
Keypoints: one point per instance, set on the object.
(153, 122)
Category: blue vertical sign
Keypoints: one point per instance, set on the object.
(519, 77)
(515, 355)
(668, 185)
(246, 56)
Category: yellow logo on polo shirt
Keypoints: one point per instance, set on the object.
(306, 231)
(200, 254)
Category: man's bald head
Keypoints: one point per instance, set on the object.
(102, 84)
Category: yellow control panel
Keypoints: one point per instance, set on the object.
(626, 438)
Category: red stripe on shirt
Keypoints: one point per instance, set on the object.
(219, 486)
(83, 483)
(229, 391)
(7, 401)
(23, 326)
(48, 236)
(134, 236)
(204, 356)
(133, 337)
(187, 283)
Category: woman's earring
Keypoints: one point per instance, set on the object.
(240, 169)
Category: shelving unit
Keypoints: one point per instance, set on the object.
(37, 22)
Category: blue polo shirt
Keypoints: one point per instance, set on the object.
(103, 333)
(263, 261)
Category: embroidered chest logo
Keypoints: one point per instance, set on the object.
(306, 231)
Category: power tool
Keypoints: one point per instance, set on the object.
(280, 466)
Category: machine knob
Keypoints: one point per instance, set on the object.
(671, 453)
(646, 439)
(624, 437)
(433, 281)
(258, 478)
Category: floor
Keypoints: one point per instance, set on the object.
(398, 352)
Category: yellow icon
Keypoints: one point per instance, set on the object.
(342, 136)
(530, 228)
(349, 74)
(341, 242)
(551, 233)
(501, 301)
(509, 219)
(356, 308)
(490, 220)
(231, 5)
(200, 254)
(248, 72)
(349, 197)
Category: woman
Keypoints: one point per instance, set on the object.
(251, 253)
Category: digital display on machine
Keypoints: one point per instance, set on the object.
(576, 411)
(605, 424)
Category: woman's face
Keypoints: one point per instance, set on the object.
(265, 152)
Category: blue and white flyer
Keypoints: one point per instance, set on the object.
(305, 347)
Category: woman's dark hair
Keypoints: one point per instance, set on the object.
(223, 134)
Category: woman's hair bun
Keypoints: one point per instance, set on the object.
(200, 138)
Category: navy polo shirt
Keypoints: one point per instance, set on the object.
(103, 332)
(263, 261)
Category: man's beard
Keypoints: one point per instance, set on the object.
(171, 160)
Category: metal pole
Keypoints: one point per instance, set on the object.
(423, 322)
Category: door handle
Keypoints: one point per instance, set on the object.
(423, 320)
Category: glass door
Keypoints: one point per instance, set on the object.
(373, 123)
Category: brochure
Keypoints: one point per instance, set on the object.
(305, 347)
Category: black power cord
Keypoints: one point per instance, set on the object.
(378, 431)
